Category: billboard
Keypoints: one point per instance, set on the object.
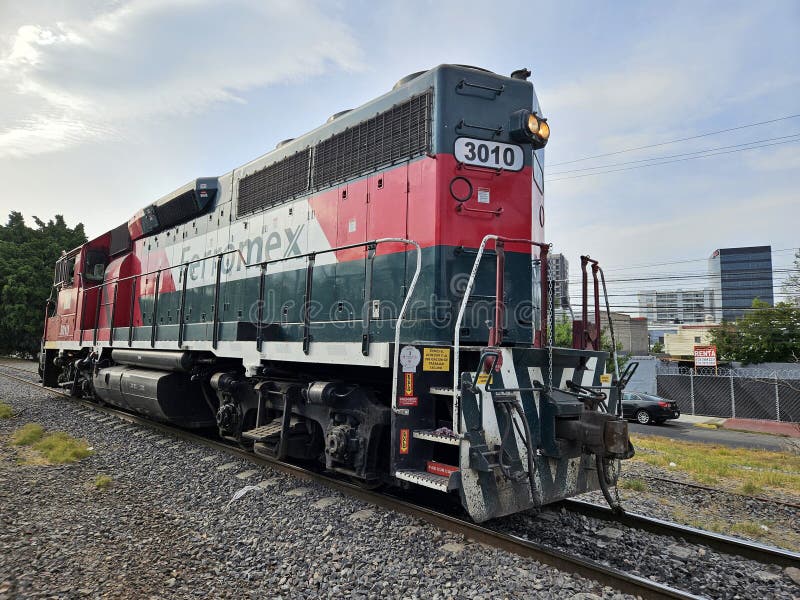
(705, 356)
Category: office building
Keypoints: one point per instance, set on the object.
(559, 272)
(630, 332)
(737, 277)
(667, 307)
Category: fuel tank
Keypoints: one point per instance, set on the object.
(154, 359)
(164, 396)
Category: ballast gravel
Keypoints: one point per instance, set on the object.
(177, 522)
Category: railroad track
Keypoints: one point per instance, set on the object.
(705, 488)
(591, 569)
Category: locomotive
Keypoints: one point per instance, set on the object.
(372, 297)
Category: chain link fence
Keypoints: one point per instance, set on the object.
(732, 393)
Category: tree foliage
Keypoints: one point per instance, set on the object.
(791, 285)
(563, 339)
(765, 334)
(27, 258)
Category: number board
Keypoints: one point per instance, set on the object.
(495, 155)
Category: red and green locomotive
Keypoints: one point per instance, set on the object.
(372, 295)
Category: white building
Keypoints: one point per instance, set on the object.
(676, 306)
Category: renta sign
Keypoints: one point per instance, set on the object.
(705, 356)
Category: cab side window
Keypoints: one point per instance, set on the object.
(95, 266)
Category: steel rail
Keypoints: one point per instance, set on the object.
(757, 551)
(596, 571)
(707, 488)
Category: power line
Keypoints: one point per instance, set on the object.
(667, 162)
(675, 262)
(693, 137)
(698, 152)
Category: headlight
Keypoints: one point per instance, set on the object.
(530, 127)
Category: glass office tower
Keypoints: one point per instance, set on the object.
(737, 276)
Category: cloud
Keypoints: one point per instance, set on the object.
(101, 76)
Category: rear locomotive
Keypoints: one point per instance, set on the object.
(372, 297)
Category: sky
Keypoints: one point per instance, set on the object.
(107, 105)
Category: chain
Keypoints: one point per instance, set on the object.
(550, 332)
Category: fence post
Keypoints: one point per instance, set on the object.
(777, 399)
(733, 396)
(691, 388)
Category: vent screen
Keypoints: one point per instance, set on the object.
(177, 209)
(274, 184)
(398, 134)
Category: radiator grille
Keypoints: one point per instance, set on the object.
(398, 134)
(274, 184)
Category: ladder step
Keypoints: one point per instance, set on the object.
(425, 479)
(432, 436)
(441, 391)
(272, 428)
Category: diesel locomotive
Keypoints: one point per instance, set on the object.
(372, 297)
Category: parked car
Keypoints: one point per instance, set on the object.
(648, 409)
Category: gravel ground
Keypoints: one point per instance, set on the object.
(168, 527)
(718, 510)
(691, 567)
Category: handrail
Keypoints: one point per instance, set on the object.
(462, 309)
(262, 265)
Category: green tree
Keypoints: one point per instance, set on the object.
(563, 339)
(791, 285)
(765, 334)
(658, 348)
(27, 258)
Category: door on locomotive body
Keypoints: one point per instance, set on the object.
(197, 245)
(61, 326)
(387, 217)
(90, 269)
(169, 284)
(351, 263)
(234, 273)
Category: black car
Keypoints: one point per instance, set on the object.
(647, 409)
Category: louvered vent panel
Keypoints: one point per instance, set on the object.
(274, 184)
(398, 134)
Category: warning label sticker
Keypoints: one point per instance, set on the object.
(408, 401)
(605, 379)
(408, 387)
(405, 434)
(483, 379)
(436, 359)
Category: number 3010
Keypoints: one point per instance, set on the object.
(488, 154)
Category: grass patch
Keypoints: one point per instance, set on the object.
(748, 528)
(102, 482)
(53, 448)
(6, 412)
(637, 485)
(750, 489)
(60, 448)
(27, 434)
(744, 468)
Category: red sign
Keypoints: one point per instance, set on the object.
(442, 469)
(405, 435)
(705, 356)
(408, 401)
